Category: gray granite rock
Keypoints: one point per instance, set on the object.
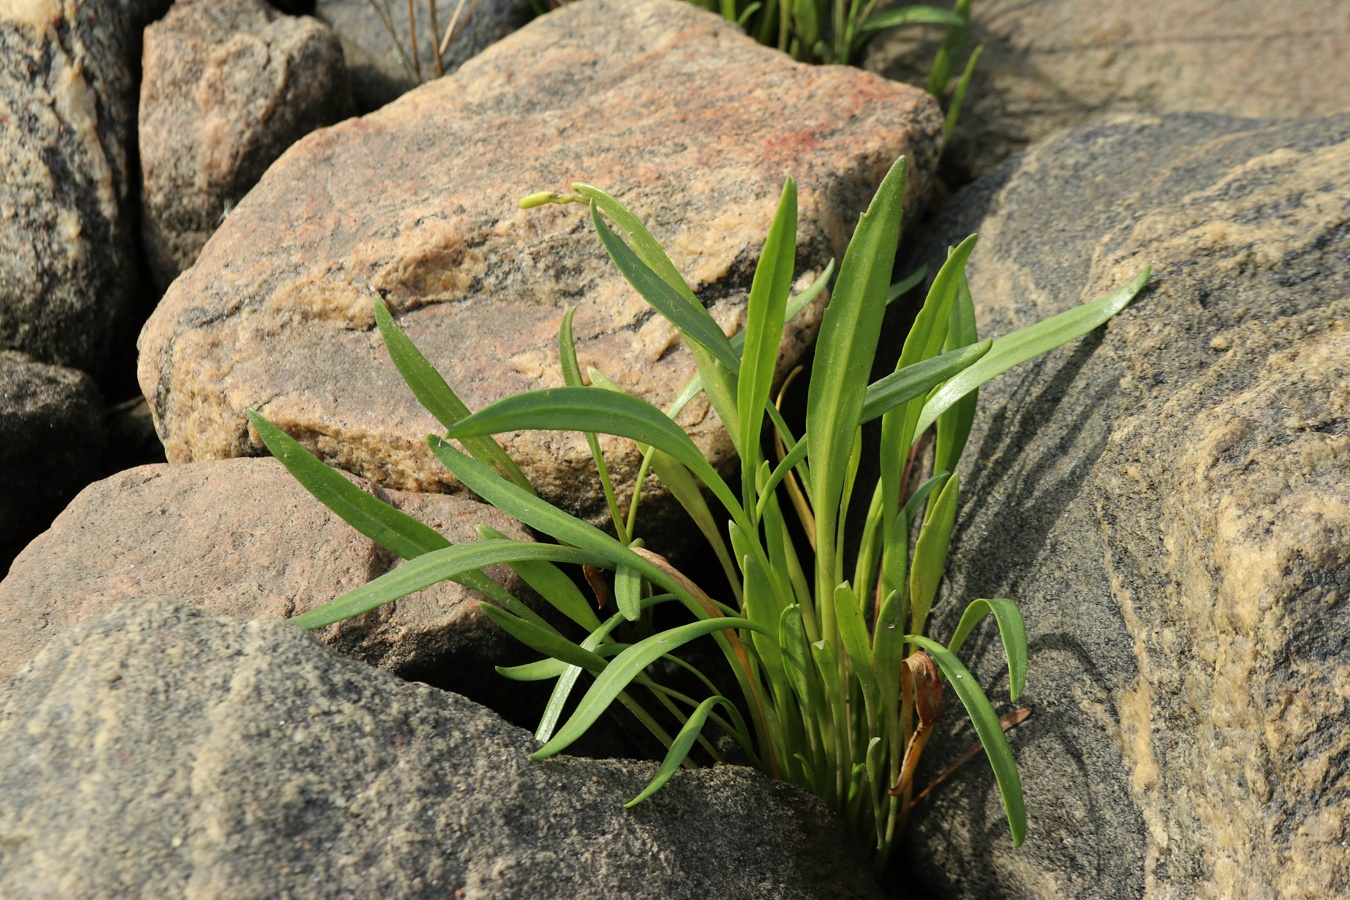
(690, 123)
(379, 73)
(68, 263)
(1169, 500)
(51, 438)
(159, 751)
(1058, 63)
(243, 538)
(226, 87)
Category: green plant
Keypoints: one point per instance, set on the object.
(408, 53)
(838, 683)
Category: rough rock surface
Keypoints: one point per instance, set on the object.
(227, 86)
(1169, 500)
(51, 434)
(68, 266)
(378, 72)
(243, 538)
(162, 752)
(1058, 63)
(686, 120)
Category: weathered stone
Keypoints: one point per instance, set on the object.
(1058, 63)
(68, 266)
(690, 123)
(379, 74)
(243, 538)
(1169, 500)
(51, 437)
(227, 86)
(161, 752)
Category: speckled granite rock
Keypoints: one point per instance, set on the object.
(1058, 63)
(1170, 502)
(162, 752)
(51, 435)
(378, 74)
(227, 86)
(68, 266)
(686, 120)
(243, 538)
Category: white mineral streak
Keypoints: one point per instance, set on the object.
(77, 107)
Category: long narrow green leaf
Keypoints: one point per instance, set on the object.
(953, 426)
(930, 553)
(989, 730)
(765, 312)
(1011, 628)
(567, 361)
(551, 583)
(391, 528)
(1027, 343)
(429, 568)
(680, 747)
(910, 15)
(628, 592)
(546, 669)
(550, 643)
(853, 635)
(719, 381)
(623, 669)
(888, 392)
(436, 396)
(843, 360)
(543, 516)
(599, 410)
(906, 284)
(692, 319)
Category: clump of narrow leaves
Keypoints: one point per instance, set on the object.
(837, 682)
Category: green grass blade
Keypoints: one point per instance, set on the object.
(542, 516)
(765, 312)
(567, 359)
(1027, 343)
(989, 730)
(623, 669)
(551, 583)
(857, 644)
(909, 15)
(545, 669)
(843, 360)
(959, 95)
(436, 396)
(1011, 628)
(391, 528)
(644, 245)
(906, 284)
(430, 568)
(628, 592)
(599, 410)
(904, 385)
(680, 747)
(952, 47)
(930, 554)
(911, 507)
(549, 643)
(953, 426)
(692, 319)
(567, 680)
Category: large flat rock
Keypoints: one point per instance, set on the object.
(243, 538)
(686, 120)
(1169, 500)
(161, 752)
(1060, 63)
